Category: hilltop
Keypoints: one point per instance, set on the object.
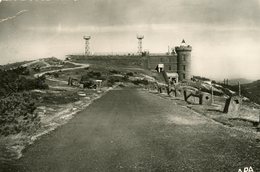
(71, 85)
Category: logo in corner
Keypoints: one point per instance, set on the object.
(246, 169)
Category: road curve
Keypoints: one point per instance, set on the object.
(132, 130)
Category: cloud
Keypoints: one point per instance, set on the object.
(140, 28)
(13, 17)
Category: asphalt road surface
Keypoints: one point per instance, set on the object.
(133, 130)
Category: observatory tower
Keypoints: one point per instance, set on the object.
(184, 61)
(140, 44)
(87, 49)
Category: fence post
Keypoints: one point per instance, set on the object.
(259, 121)
(212, 95)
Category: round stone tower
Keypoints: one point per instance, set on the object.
(184, 61)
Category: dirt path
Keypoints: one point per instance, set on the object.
(131, 130)
(80, 66)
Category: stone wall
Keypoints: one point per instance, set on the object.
(169, 61)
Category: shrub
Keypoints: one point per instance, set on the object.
(91, 75)
(125, 78)
(130, 74)
(140, 81)
(89, 84)
(121, 85)
(114, 72)
(111, 81)
(31, 83)
(12, 81)
(55, 74)
(17, 114)
(37, 68)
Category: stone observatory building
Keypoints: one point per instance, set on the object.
(178, 61)
(183, 61)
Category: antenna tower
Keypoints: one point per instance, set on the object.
(87, 49)
(140, 43)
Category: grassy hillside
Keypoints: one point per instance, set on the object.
(252, 91)
(13, 65)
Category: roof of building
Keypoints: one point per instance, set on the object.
(172, 74)
(183, 43)
(161, 65)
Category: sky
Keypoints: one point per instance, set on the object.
(224, 34)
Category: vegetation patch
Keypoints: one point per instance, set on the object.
(140, 82)
(17, 114)
(56, 98)
(17, 104)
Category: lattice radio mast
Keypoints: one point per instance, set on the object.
(140, 43)
(87, 49)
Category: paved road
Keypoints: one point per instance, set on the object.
(131, 130)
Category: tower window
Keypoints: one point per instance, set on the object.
(183, 76)
(161, 60)
(170, 68)
(184, 58)
(184, 68)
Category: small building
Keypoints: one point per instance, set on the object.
(173, 77)
(160, 67)
(98, 84)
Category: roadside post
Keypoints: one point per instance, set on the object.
(239, 89)
(212, 95)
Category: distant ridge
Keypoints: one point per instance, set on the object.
(50, 60)
(241, 80)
